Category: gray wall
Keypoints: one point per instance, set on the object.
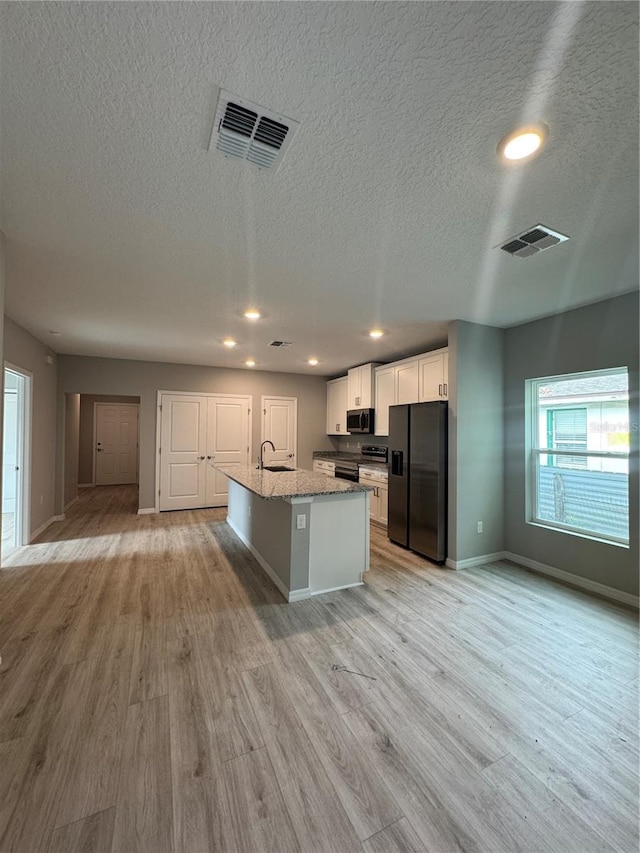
(476, 440)
(71, 442)
(590, 338)
(25, 351)
(144, 379)
(2, 283)
(85, 449)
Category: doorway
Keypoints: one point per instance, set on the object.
(280, 426)
(115, 460)
(15, 441)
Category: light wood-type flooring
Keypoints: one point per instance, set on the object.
(157, 694)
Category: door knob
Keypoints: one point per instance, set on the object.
(211, 457)
(290, 455)
(201, 458)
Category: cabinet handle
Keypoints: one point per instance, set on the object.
(439, 390)
(446, 390)
(337, 427)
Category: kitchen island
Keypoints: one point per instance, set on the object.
(309, 532)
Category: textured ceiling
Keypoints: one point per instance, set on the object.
(128, 236)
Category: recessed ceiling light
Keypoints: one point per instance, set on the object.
(252, 314)
(229, 342)
(250, 362)
(522, 143)
(313, 362)
(55, 334)
(376, 333)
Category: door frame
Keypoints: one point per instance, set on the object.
(293, 400)
(94, 455)
(156, 485)
(23, 526)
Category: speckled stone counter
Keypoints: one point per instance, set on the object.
(309, 532)
(296, 483)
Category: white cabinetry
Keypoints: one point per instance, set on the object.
(412, 380)
(434, 376)
(337, 393)
(385, 397)
(406, 374)
(322, 466)
(379, 497)
(360, 387)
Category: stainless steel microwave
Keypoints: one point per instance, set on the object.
(360, 420)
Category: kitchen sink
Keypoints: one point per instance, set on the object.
(278, 468)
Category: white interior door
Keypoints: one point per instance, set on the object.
(228, 442)
(183, 450)
(116, 453)
(280, 425)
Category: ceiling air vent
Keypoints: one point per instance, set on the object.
(245, 130)
(281, 344)
(533, 241)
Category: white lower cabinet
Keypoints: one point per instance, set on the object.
(379, 497)
(321, 466)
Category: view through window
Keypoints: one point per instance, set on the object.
(579, 453)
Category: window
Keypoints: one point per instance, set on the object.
(579, 453)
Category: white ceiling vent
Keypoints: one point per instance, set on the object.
(533, 241)
(245, 130)
(281, 344)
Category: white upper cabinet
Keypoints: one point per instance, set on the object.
(385, 397)
(413, 380)
(337, 395)
(360, 387)
(434, 377)
(406, 375)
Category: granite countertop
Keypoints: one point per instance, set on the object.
(298, 483)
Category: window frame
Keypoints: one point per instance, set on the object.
(534, 454)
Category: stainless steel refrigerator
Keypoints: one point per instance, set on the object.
(418, 478)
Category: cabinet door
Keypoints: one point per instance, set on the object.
(383, 504)
(431, 380)
(337, 395)
(373, 498)
(385, 397)
(354, 387)
(407, 383)
(445, 374)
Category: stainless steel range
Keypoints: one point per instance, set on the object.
(347, 469)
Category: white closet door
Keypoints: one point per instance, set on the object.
(227, 443)
(183, 450)
(280, 425)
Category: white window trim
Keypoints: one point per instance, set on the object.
(534, 452)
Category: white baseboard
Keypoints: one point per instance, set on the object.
(72, 502)
(85, 485)
(475, 561)
(334, 589)
(298, 593)
(147, 510)
(44, 526)
(575, 580)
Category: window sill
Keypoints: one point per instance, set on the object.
(569, 532)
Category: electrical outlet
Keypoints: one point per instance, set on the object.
(301, 522)
(479, 527)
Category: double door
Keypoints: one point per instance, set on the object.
(196, 433)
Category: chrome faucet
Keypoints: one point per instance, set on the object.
(260, 460)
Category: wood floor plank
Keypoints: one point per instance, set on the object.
(318, 817)
(144, 809)
(260, 818)
(400, 837)
(93, 834)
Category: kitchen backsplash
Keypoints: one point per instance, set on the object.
(354, 443)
